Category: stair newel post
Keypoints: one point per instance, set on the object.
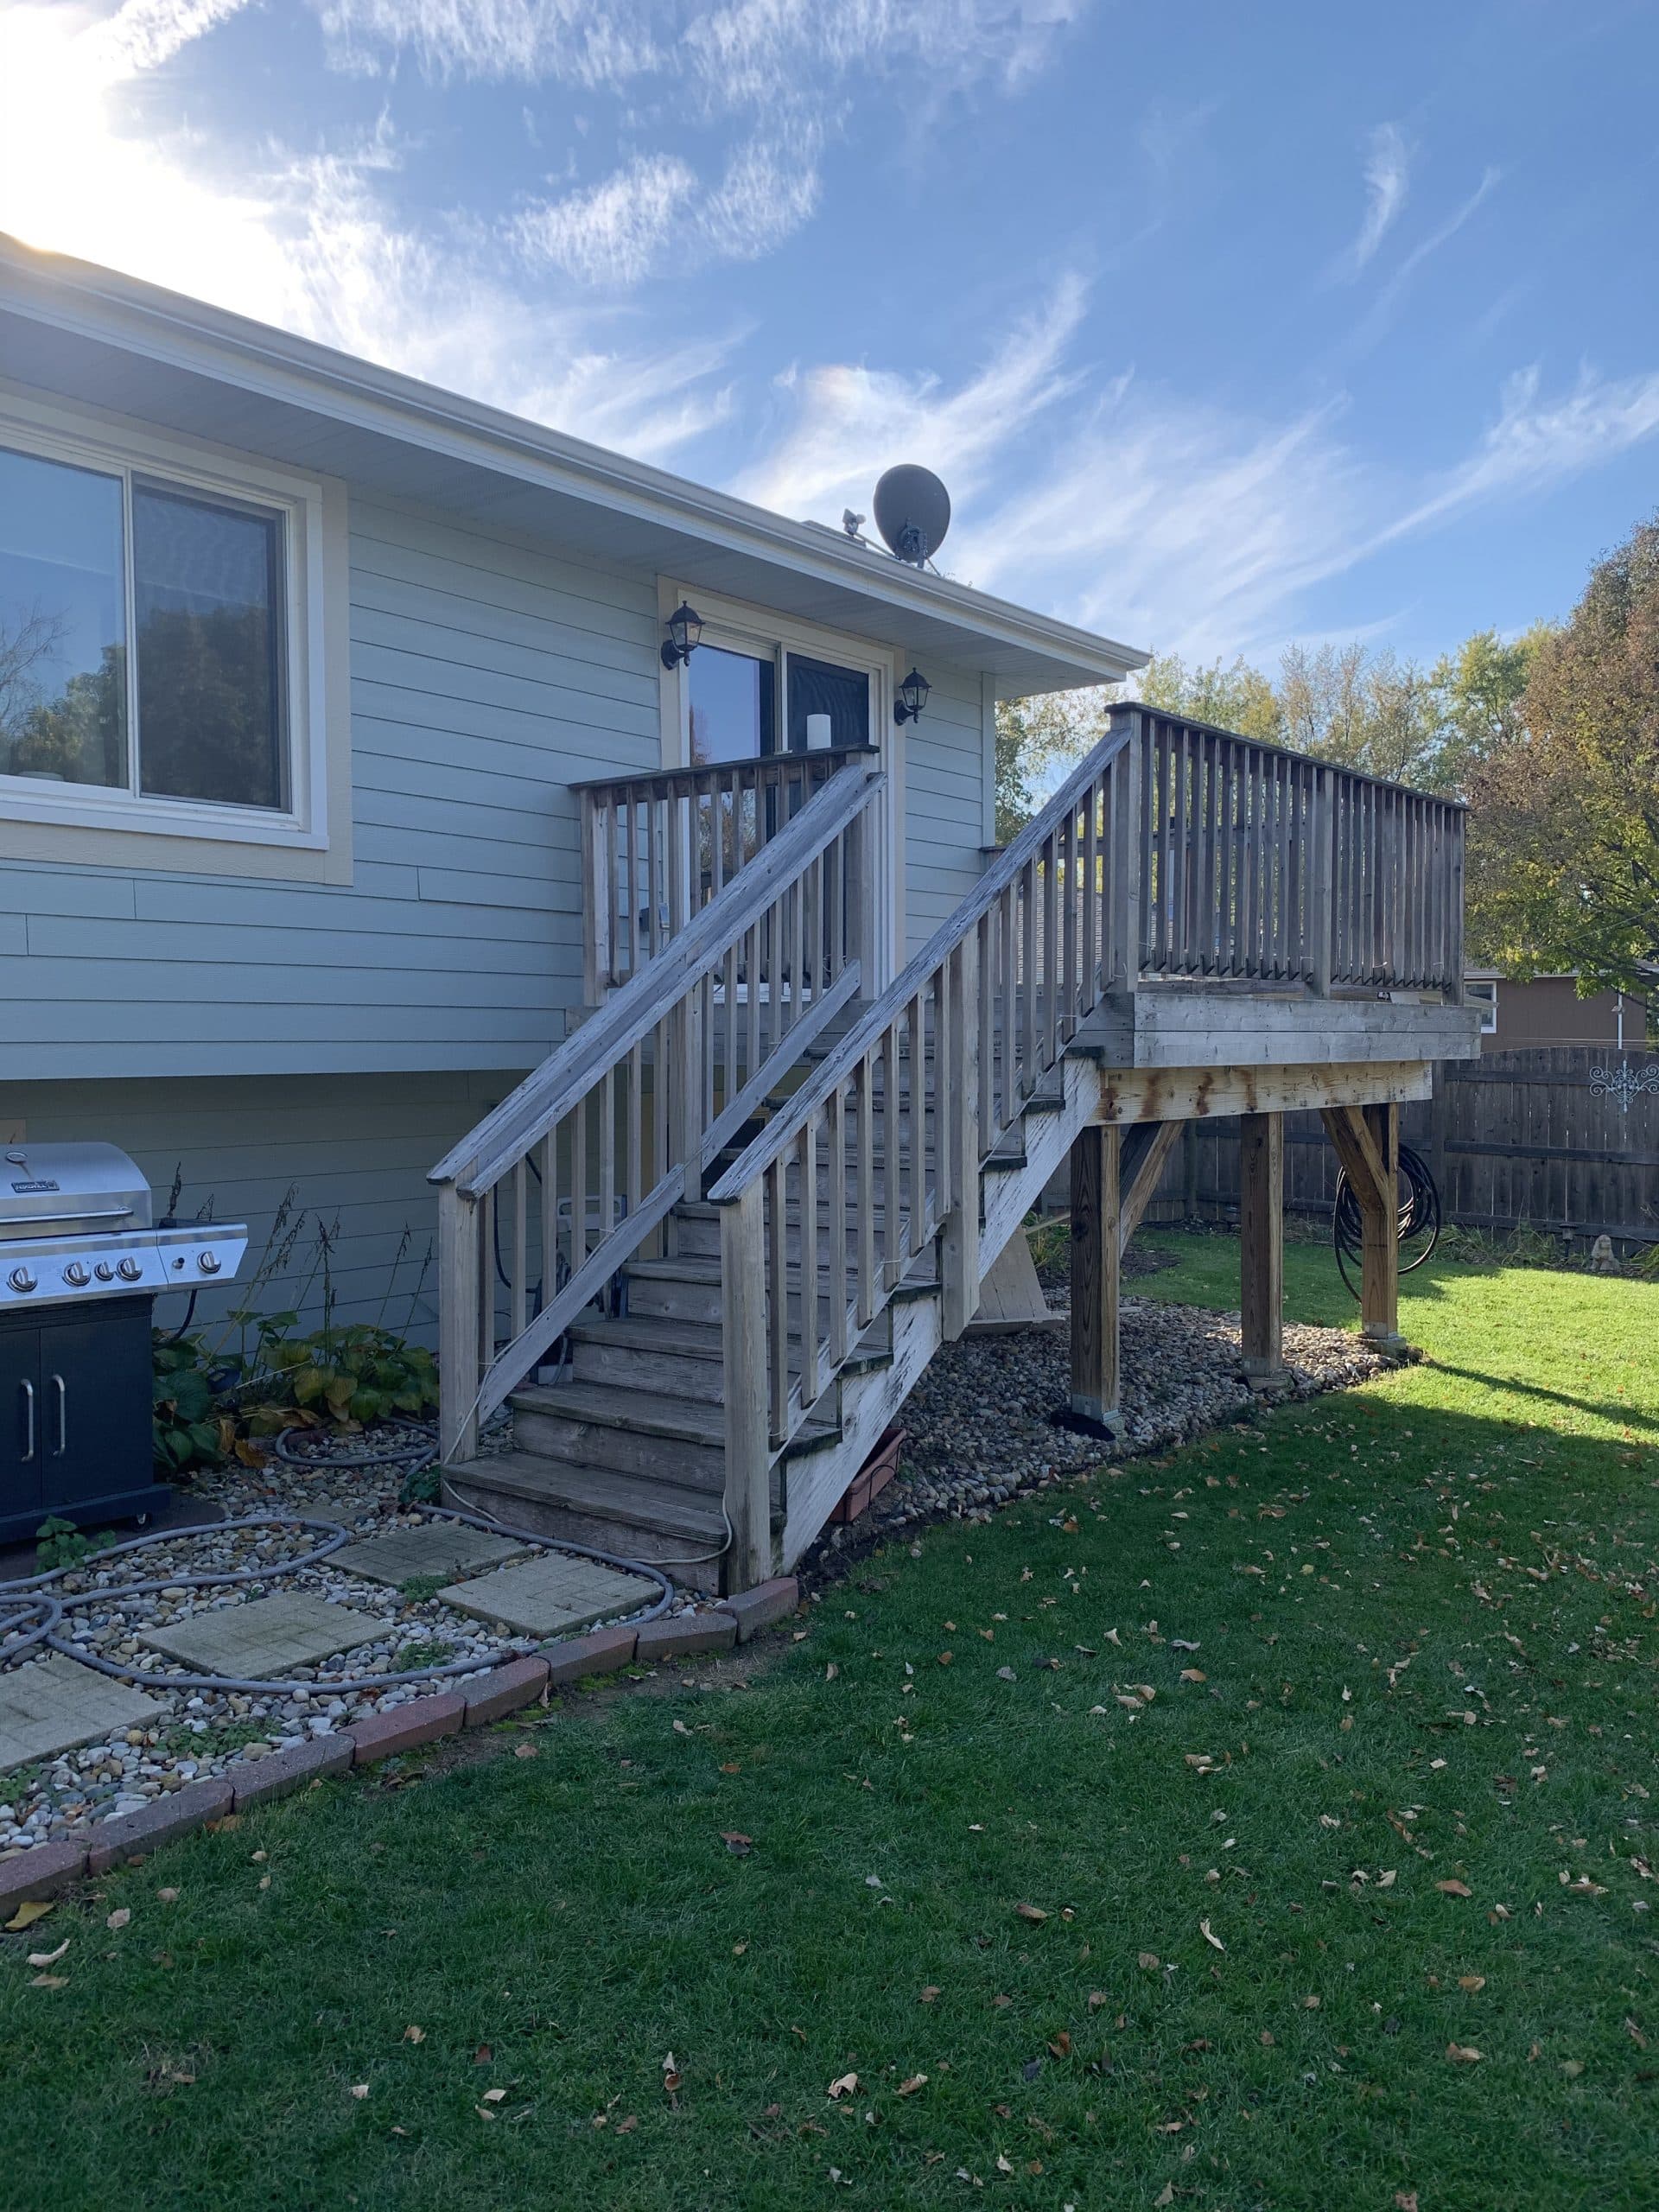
(1322, 825)
(860, 915)
(748, 1426)
(459, 1264)
(1123, 902)
(961, 1092)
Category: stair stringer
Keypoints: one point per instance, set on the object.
(868, 1400)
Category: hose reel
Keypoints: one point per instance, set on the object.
(1418, 1219)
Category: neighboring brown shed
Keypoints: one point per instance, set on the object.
(1547, 1011)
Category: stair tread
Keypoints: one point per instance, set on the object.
(650, 1333)
(662, 1508)
(648, 1412)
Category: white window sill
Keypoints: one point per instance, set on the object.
(23, 799)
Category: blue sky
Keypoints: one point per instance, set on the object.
(1227, 326)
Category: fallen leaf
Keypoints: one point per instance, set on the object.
(1193, 1674)
(1210, 1936)
(414, 2035)
(1464, 2053)
(49, 1958)
(916, 2082)
(1032, 1912)
(1061, 2045)
(1096, 1999)
(494, 2097)
(680, 1728)
(1572, 2067)
(738, 1949)
(1472, 1982)
(120, 1917)
(483, 2054)
(167, 1896)
(626, 2126)
(1454, 1889)
(930, 1992)
(484, 2112)
(1149, 1960)
(1405, 2200)
(49, 1981)
(359, 2089)
(1005, 1675)
(1387, 1880)
(527, 1751)
(1310, 2004)
(843, 2085)
(736, 1842)
(28, 1913)
(1165, 2194)
(730, 1766)
(1266, 2037)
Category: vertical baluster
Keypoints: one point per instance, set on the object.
(747, 1415)
(550, 1211)
(1070, 921)
(986, 1012)
(607, 1156)
(630, 869)
(579, 1182)
(1051, 874)
(835, 1138)
(633, 1163)
(1028, 981)
(1008, 1007)
(807, 1145)
(919, 1225)
(1095, 962)
(486, 1310)
(834, 929)
(752, 964)
(892, 1241)
(518, 1272)
(864, 1190)
(778, 1293)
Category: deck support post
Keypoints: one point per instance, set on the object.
(1261, 1246)
(1096, 1251)
(749, 1427)
(1367, 1141)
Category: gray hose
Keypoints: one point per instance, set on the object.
(28, 1591)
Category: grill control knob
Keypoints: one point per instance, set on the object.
(21, 1279)
(128, 1269)
(208, 1263)
(77, 1274)
(102, 1271)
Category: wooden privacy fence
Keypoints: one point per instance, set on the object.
(1527, 1139)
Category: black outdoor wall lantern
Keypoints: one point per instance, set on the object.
(684, 634)
(913, 697)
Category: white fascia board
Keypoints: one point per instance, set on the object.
(80, 299)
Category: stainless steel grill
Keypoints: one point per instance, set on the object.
(75, 1225)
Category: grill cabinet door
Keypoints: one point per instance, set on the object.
(95, 1404)
(22, 1445)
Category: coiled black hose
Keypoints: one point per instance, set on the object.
(1418, 1221)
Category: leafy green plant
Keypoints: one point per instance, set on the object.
(422, 1486)
(186, 1429)
(60, 1544)
(430, 1653)
(350, 1375)
(420, 1589)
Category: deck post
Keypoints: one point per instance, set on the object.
(1122, 968)
(1367, 1141)
(1261, 1246)
(961, 1094)
(1095, 1263)
(749, 1440)
(459, 1325)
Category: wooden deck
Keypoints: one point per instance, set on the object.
(792, 1188)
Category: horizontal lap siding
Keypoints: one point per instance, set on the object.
(353, 1151)
(486, 677)
(945, 806)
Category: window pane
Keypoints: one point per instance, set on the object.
(208, 619)
(817, 687)
(732, 711)
(63, 682)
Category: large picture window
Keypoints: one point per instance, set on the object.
(141, 627)
(164, 614)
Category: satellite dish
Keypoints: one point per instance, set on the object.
(913, 512)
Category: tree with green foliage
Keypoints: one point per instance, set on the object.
(1564, 821)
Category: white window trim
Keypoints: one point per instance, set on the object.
(740, 626)
(114, 446)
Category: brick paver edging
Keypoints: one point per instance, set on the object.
(51, 1867)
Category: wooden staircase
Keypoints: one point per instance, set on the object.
(706, 1251)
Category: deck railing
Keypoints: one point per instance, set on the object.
(1260, 865)
(1174, 851)
(564, 1182)
(656, 849)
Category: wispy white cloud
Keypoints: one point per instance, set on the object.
(312, 242)
(848, 421)
(1388, 177)
(1381, 313)
(613, 233)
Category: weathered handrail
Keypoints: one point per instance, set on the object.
(619, 1125)
(904, 1113)
(1174, 851)
(656, 849)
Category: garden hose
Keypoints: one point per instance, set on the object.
(1417, 1223)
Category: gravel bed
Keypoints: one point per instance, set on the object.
(200, 1733)
(980, 1425)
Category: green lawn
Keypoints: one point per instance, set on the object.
(1417, 1651)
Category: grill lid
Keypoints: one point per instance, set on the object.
(66, 1188)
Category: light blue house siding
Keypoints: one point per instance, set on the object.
(333, 1041)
